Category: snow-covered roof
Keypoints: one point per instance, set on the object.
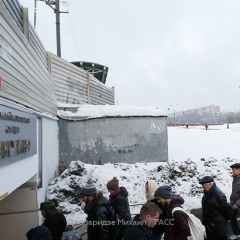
(74, 111)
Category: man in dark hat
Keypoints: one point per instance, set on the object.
(173, 224)
(54, 220)
(215, 210)
(100, 215)
(235, 196)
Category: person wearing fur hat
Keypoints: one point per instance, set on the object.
(174, 225)
(118, 199)
(99, 213)
(215, 210)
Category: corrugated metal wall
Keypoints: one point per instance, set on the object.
(15, 11)
(24, 68)
(23, 62)
(74, 85)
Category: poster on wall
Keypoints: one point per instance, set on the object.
(18, 135)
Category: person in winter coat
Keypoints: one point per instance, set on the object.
(39, 233)
(215, 210)
(143, 224)
(173, 225)
(235, 197)
(118, 199)
(54, 220)
(100, 215)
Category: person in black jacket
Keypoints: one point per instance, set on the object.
(54, 220)
(39, 233)
(118, 199)
(173, 225)
(235, 197)
(215, 210)
(143, 224)
(100, 215)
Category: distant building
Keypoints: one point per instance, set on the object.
(97, 70)
(205, 115)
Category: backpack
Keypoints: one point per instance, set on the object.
(198, 231)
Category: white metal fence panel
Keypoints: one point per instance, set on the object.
(23, 64)
(75, 85)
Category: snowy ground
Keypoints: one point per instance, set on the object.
(193, 153)
(195, 142)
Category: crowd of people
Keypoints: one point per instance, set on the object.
(161, 217)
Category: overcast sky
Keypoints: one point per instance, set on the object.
(176, 54)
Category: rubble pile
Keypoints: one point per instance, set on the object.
(182, 176)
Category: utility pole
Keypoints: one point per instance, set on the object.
(58, 30)
(55, 5)
(35, 13)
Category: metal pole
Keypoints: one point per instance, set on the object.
(58, 34)
(35, 13)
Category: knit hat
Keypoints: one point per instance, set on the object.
(235, 165)
(163, 192)
(206, 179)
(113, 184)
(89, 189)
(47, 205)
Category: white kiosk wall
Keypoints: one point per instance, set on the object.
(50, 154)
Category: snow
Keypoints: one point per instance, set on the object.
(193, 153)
(99, 111)
(195, 142)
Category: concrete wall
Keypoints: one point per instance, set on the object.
(128, 139)
(15, 226)
(50, 154)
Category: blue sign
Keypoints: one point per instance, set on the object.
(18, 135)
